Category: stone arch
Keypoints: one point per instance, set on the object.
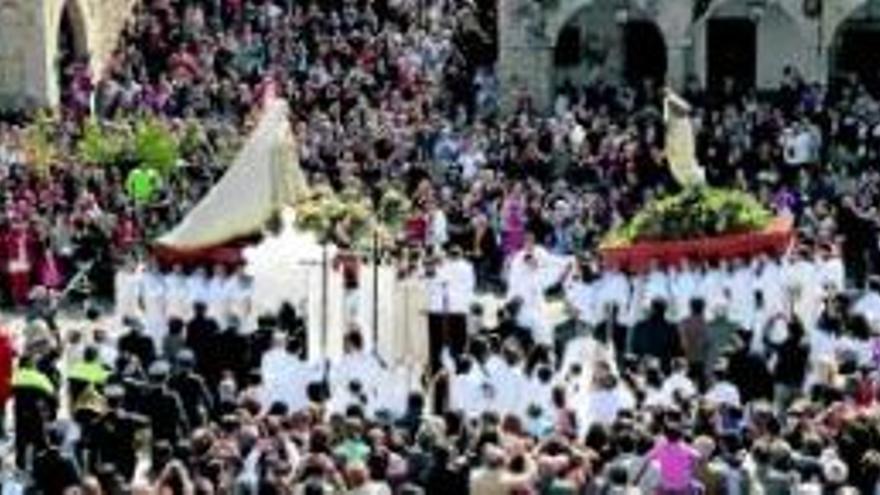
(781, 37)
(603, 37)
(73, 13)
(855, 26)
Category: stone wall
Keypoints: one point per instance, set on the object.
(29, 31)
(785, 36)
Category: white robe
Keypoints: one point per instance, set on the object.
(127, 285)
(409, 333)
(528, 282)
(684, 288)
(153, 299)
(582, 296)
(177, 297)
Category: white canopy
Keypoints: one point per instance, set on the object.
(264, 176)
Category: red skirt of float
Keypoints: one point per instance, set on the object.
(774, 240)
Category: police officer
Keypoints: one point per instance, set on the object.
(36, 404)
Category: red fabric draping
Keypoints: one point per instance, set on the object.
(775, 239)
(230, 254)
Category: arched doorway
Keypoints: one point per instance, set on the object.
(601, 40)
(72, 55)
(854, 47)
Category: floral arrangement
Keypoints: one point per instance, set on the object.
(325, 210)
(393, 208)
(694, 213)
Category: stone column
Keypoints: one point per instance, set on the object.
(679, 62)
(525, 60)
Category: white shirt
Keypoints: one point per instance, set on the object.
(723, 393)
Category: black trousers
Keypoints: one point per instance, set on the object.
(446, 330)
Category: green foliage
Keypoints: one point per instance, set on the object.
(155, 146)
(147, 140)
(694, 213)
(39, 141)
(101, 145)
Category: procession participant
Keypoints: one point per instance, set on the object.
(532, 271)
(216, 294)
(614, 289)
(178, 304)
(741, 291)
(581, 296)
(450, 286)
(656, 284)
(467, 389)
(831, 268)
(410, 329)
(355, 365)
(683, 282)
(461, 286)
(153, 302)
(127, 283)
(273, 368)
(197, 288)
(239, 299)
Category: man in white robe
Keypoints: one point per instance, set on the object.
(177, 294)
(467, 391)
(613, 287)
(451, 292)
(582, 296)
(356, 366)
(238, 292)
(127, 284)
(742, 289)
(217, 296)
(532, 271)
(868, 304)
(152, 294)
(508, 383)
(656, 284)
(273, 370)
(832, 270)
(197, 287)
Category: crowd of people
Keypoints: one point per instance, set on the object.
(757, 376)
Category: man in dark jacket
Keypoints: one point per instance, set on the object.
(53, 471)
(655, 336)
(136, 343)
(191, 388)
(200, 334)
(163, 406)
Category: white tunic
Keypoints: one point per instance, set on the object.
(153, 300)
(177, 297)
(127, 285)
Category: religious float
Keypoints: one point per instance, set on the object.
(698, 224)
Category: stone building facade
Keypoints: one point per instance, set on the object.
(29, 41)
(745, 38)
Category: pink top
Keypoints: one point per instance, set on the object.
(677, 462)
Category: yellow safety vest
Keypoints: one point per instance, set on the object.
(91, 373)
(31, 378)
